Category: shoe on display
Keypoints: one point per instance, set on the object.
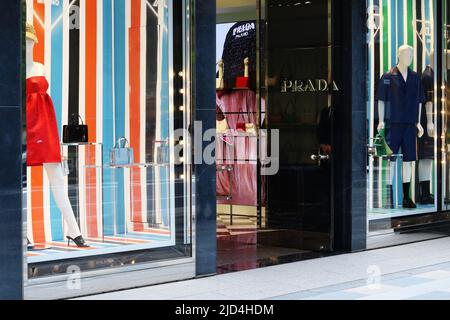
(409, 204)
(428, 199)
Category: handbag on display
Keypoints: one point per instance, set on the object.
(121, 155)
(162, 152)
(221, 126)
(240, 124)
(381, 146)
(219, 79)
(243, 82)
(250, 128)
(75, 132)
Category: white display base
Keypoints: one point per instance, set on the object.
(380, 213)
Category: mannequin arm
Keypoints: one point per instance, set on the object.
(381, 124)
(418, 125)
(430, 124)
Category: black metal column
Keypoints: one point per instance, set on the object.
(204, 105)
(11, 239)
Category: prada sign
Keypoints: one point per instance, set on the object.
(307, 85)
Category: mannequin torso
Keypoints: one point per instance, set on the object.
(34, 69)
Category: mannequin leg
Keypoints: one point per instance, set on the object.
(407, 175)
(407, 170)
(425, 172)
(56, 178)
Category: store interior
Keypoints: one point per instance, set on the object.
(263, 219)
(99, 96)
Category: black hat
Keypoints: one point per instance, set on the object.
(240, 43)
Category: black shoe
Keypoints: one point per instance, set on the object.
(30, 246)
(408, 204)
(428, 199)
(79, 241)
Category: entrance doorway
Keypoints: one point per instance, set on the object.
(275, 100)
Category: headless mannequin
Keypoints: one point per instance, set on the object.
(54, 170)
(425, 165)
(405, 57)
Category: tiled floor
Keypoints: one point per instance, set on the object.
(409, 272)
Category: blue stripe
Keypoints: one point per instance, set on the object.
(393, 33)
(56, 93)
(108, 118)
(119, 93)
(400, 22)
(427, 39)
(165, 173)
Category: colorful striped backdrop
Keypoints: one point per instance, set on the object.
(108, 61)
(392, 24)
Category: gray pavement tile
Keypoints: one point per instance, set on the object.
(405, 281)
(298, 295)
(435, 295)
(339, 295)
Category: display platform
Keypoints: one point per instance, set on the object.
(58, 250)
(380, 213)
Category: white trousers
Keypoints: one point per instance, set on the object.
(56, 177)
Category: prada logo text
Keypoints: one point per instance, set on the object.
(307, 85)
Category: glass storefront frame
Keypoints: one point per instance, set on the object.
(431, 220)
(152, 269)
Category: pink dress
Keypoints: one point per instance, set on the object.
(238, 107)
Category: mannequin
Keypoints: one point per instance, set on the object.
(426, 143)
(401, 88)
(42, 137)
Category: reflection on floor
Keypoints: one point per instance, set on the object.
(237, 242)
(49, 250)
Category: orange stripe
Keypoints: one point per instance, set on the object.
(37, 173)
(135, 113)
(39, 48)
(37, 202)
(91, 115)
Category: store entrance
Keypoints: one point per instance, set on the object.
(299, 96)
(274, 115)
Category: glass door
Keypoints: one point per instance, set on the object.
(297, 93)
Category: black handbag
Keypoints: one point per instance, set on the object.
(75, 132)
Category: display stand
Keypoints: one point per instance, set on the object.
(380, 179)
(130, 171)
(87, 173)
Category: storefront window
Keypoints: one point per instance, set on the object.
(105, 93)
(401, 112)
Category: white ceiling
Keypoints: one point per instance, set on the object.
(229, 6)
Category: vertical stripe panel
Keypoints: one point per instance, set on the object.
(56, 94)
(37, 173)
(143, 112)
(385, 53)
(91, 114)
(108, 117)
(119, 94)
(82, 185)
(400, 17)
(73, 98)
(135, 109)
(393, 32)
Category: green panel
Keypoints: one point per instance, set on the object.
(409, 24)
